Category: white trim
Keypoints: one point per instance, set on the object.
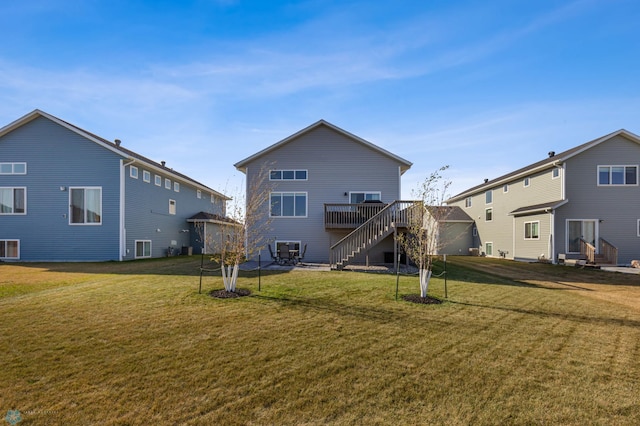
(638, 228)
(121, 222)
(526, 182)
(306, 201)
(173, 207)
(469, 204)
(525, 230)
(167, 184)
(485, 249)
(84, 188)
(485, 214)
(133, 172)
(624, 173)
(157, 180)
(13, 167)
(135, 249)
(379, 193)
(198, 194)
(552, 237)
(5, 241)
(13, 206)
(146, 176)
(566, 234)
(176, 186)
(505, 188)
(488, 191)
(554, 170)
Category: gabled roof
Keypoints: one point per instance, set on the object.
(450, 214)
(212, 218)
(241, 165)
(111, 146)
(538, 208)
(551, 161)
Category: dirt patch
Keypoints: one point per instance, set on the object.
(415, 298)
(224, 294)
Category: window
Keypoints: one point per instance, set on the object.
(176, 186)
(158, 180)
(488, 197)
(143, 248)
(198, 194)
(288, 204)
(361, 197)
(167, 183)
(213, 198)
(9, 249)
(532, 230)
(488, 215)
(555, 173)
(505, 188)
(13, 200)
(288, 175)
(146, 176)
(467, 202)
(638, 228)
(85, 206)
(172, 206)
(13, 168)
(526, 181)
(488, 249)
(133, 172)
(475, 231)
(617, 175)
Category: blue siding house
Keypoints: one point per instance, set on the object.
(69, 195)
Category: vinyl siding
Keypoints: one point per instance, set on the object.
(57, 157)
(336, 165)
(614, 207)
(532, 249)
(500, 231)
(147, 211)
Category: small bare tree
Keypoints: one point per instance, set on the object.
(247, 234)
(422, 240)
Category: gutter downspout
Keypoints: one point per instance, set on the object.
(122, 230)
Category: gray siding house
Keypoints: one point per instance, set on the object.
(69, 195)
(325, 184)
(580, 203)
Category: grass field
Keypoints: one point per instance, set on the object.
(134, 343)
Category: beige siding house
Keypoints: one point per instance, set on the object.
(325, 183)
(580, 203)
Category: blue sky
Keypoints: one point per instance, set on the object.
(482, 86)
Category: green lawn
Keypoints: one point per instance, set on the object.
(134, 343)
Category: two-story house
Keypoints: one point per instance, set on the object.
(69, 195)
(325, 184)
(580, 203)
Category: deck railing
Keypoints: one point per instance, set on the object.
(349, 216)
(371, 232)
(588, 250)
(609, 251)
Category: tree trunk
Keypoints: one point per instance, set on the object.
(230, 276)
(425, 276)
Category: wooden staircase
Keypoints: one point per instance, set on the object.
(370, 233)
(607, 253)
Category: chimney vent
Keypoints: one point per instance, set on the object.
(117, 142)
(486, 180)
(551, 153)
(163, 163)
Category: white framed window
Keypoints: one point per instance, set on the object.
(293, 245)
(133, 172)
(146, 176)
(288, 175)
(555, 173)
(9, 249)
(143, 249)
(176, 186)
(617, 175)
(85, 206)
(475, 231)
(488, 214)
(172, 206)
(13, 200)
(505, 188)
(532, 230)
(288, 204)
(467, 202)
(362, 196)
(167, 183)
(638, 228)
(198, 193)
(488, 249)
(488, 197)
(13, 168)
(526, 182)
(157, 180)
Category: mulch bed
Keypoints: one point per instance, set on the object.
(224, 294)
(415, 298)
